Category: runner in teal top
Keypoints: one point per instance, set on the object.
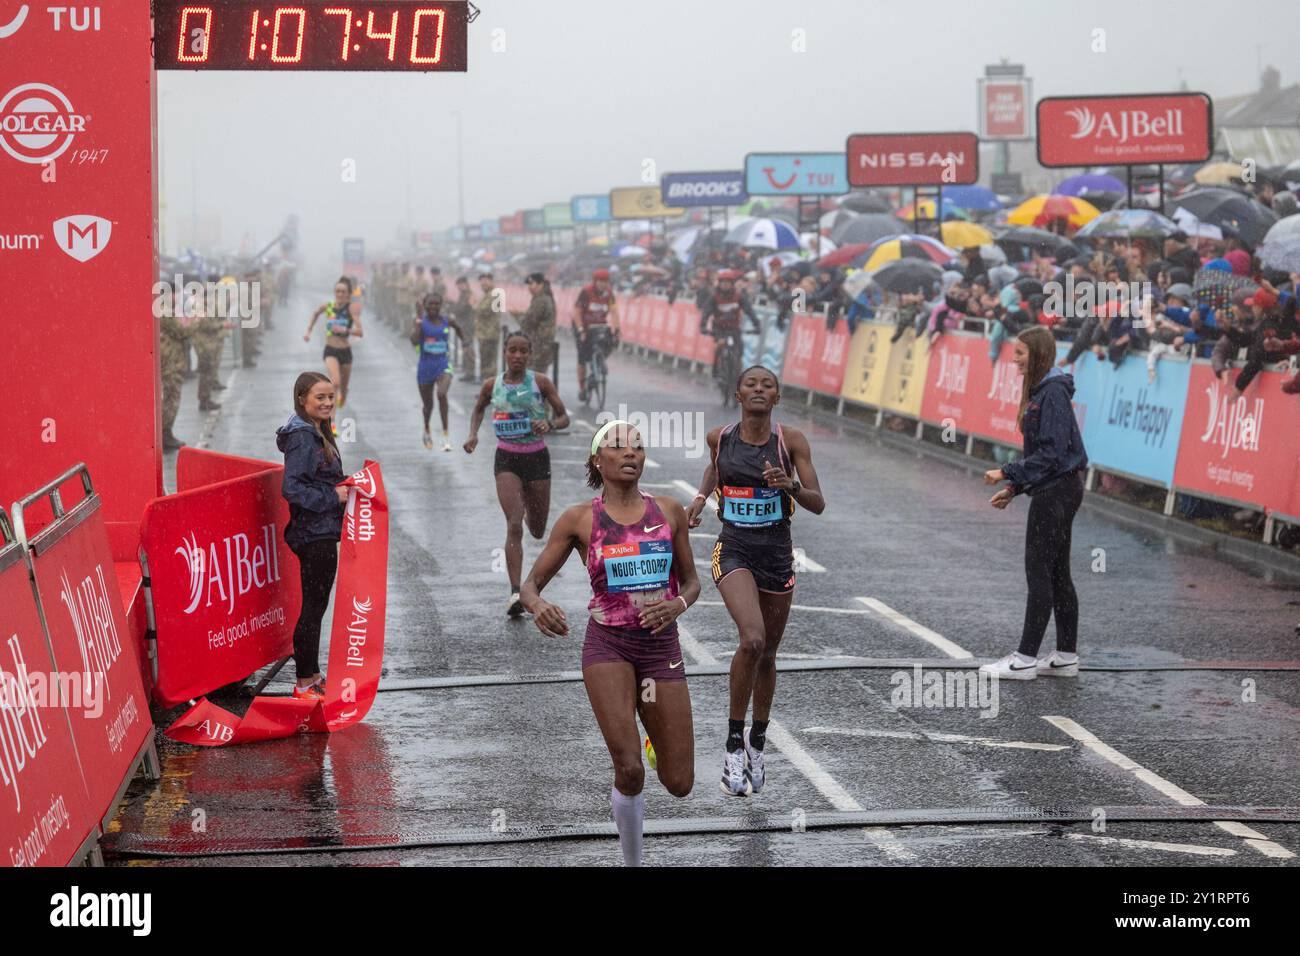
(519, 399)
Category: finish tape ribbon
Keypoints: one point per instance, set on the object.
(356, 652)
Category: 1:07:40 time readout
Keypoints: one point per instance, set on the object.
(1196, 899)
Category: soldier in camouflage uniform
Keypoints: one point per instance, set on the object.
(173, 360)
(487, 327)
(208, 335)
(405, 296)
(538, 323)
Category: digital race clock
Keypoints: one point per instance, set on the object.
(312, 35)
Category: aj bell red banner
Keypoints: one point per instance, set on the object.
(1124, 130)
(1247, 450)
(225, 585)
(44, 815)
(76, 231)
(815, 358)
(978, 396)
(88, 634)
(913, 159)
(356, 651)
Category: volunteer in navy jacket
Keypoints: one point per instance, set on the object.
(312, 472)
(1051, 474)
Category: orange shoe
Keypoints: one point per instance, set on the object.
(313, 692)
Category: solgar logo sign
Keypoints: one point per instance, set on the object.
(38, 123)
(228, 568)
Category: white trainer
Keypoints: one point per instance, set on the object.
(735, 775)
(1014, 666)
(1057, 664)
(755, 757)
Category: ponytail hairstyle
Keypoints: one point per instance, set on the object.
(301, 386)
(1042, 356)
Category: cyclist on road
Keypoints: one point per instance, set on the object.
(594, 311)
(725, 307)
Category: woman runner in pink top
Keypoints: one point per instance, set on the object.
(638, 556)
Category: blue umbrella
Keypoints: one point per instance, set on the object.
(972, 197)
(1089, 183)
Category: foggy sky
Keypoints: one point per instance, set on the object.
(585, 90)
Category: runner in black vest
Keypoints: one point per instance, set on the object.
(758, 475)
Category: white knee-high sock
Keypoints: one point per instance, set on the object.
(629, 817)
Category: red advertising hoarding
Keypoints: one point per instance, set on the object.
(977, 396)
(77, 214)
(225, 585)
(44, 816)
(913, 159)
(1245, 451)
(814, 357)
(1004, 109)
(1124, 130)
(512, 225)
(89, 637)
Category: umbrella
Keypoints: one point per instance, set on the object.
(1043, 208)
(992, 254)
(811, 242)
(1194, 227)
(1214, 287)
(784, 260)
(978, 198)
(630, 252)
(865, 228)
(1281, 247)
(1229, 210)
(865, 202)
(908, 275)
(1129, 224)
(925, 210)
(959, 235)
(843, 255)
(906, 246)
(832, 220)
(1039, 240)
(1087, 183)
(765, 234)
(1218, 174)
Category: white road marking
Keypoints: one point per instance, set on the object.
(651, 463)
(685, 486)
(585, 424)
(804, 563)
(1254, 839)
(662, 485)
(1192, 848)
(934, 737)
(826, 785)
(924, 633)
(796, 607)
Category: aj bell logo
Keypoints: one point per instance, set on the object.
(246, 565)
(37, 122)
(1120, 125)
(82, 237)
(12, 27)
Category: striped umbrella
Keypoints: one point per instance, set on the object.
(1043, 208)
(765, 234)
(907, 246)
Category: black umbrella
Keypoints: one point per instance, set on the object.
(866, 228)
(1231, 211)
(866, 202)
(908, 275)
(1041, 241)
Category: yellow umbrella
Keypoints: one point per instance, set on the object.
(1218, 174)
(959, 235)
(1041, 209)
(918, 247)
(598, 241)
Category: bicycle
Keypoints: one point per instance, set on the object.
(727, 358)
(597, 371)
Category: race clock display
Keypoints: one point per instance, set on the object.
(399, 35)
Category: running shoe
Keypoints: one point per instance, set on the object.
(428, 441)
(735, 775)
(446, 442)
(514, 607)
(314, 692)
(650, 754)
(754, 762)
(1014, 666)
(1057, 664)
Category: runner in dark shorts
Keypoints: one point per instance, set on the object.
(519, 398)
(638, 555)
(752, 471)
